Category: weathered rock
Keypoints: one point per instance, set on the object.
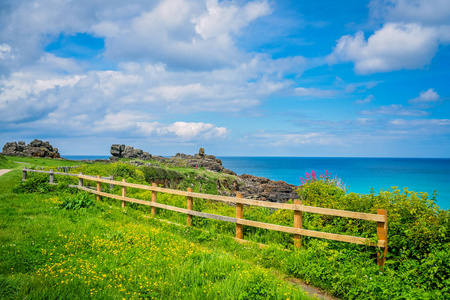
(36, 148)
(266, 189)
(121, 151)
(116, 150)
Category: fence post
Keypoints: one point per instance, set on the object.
(298, 224)
(24, 174)
(111, 186)
(80, 180)
(124, 192)
(190, 204)
(153, 200)
(98, 187)
(52, 177)
(382, 236)
(239, 215)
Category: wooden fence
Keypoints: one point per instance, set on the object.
(239, 201)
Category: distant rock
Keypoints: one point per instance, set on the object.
(199, 160)
(36, 148)
(121, 151)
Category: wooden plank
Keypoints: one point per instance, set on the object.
(189, 205)
(297, 224)
(153, 200)
(239, 215)
(124, 192)
(98, 188)
(80, 181)
(212, 216)
(52, 177)
(311, 233)
(49, 172)
(382, 235)
(340, 213)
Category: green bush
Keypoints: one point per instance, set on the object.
(35, 183)
(418, 243)
(77, 201)
(156, 173)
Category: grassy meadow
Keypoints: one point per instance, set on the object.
(104, 252)
(60, 243)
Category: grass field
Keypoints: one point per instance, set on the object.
(104, 252)
(62, 244)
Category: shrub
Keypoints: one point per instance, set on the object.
(155, 173)
(77, 201)
(35, 183)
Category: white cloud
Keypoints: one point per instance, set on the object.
(5, 52)
(421, 122)
(315, 92)
(395, 110)
(368, 99)
(182, 34)
(428, 96)
(434, 12)
(395, 46)
(189, 130)
(224, 19)
(133, 97)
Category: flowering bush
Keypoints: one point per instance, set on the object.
(326, 178)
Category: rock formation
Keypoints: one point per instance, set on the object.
(121, 151)
(248, 185)
(36, 148)
(265, 189)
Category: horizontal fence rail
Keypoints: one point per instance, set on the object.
(297, 207)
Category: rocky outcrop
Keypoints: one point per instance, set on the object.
(36, 148)
(248, 185)
(121, 151)
(265, 189)
(199, 160)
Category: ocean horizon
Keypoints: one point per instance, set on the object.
(359, 174)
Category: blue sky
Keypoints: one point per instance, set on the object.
(239, 78)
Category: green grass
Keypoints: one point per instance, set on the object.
(21, 161)
(89, 242)
(104, 252)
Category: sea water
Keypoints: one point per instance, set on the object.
(360, 175)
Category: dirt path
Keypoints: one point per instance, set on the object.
(4, 171)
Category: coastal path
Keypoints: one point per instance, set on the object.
(4, 171)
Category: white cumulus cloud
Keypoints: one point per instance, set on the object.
(429, 96)
(395, 46)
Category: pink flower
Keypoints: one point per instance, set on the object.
(326, 173)
(307, 175)
(313, 175)
(301, 180)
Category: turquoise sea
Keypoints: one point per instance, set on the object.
(358, 174)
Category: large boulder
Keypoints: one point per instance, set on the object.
(36, 148)
(121, 151)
